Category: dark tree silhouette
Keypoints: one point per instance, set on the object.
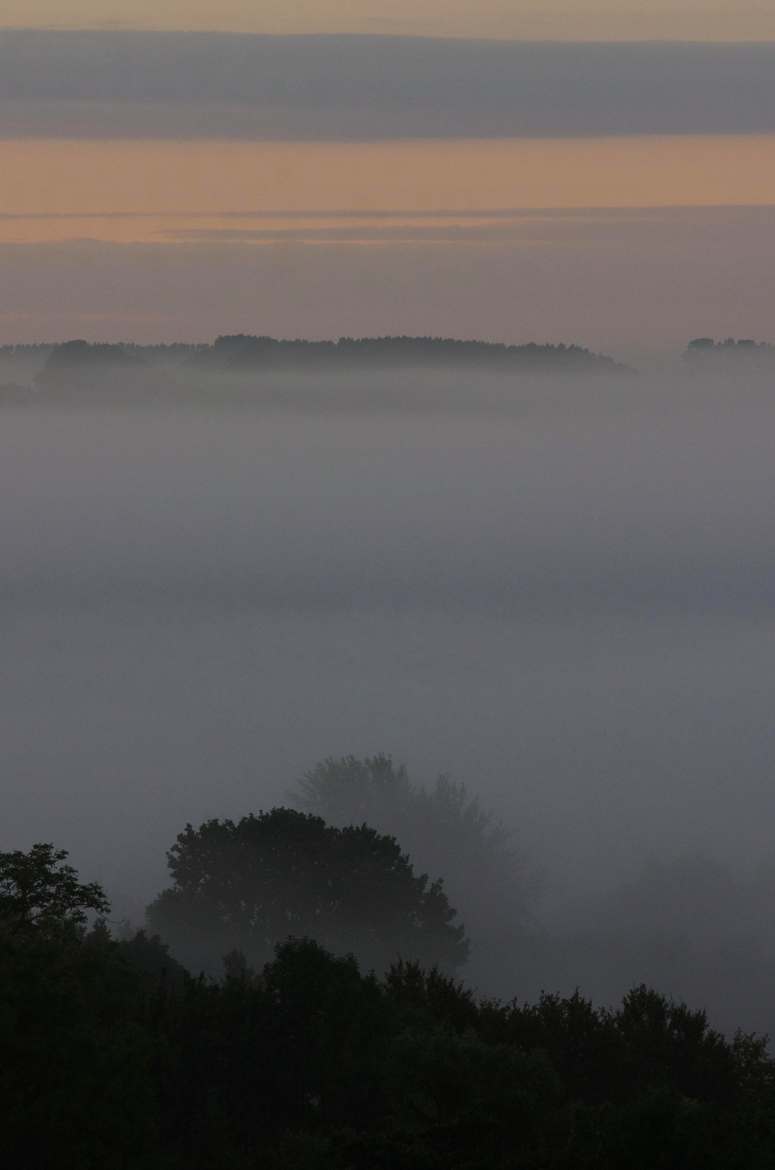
(38, 891)
(247, 351)
(251, 884)
(111, 1059)
(445, 830)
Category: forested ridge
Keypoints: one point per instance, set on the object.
(242, 354)
(335, 1028)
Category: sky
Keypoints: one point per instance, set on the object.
(514, 19)
(582, 189)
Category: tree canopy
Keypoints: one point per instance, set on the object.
(251, 884)
(445, 830)
(311, 1065)
(113, 1057)
(38, 891)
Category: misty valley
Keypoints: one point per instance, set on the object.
(387, 585)
(387, 742)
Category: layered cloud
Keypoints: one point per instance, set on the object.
(159, 185)
(621, 283)
(202, 85)
(589, 20)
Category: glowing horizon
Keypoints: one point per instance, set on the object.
(158, 190)
(48, 183)
(584, 20)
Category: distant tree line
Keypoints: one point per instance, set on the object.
(75, 361)
(705, 353)
(245, 351)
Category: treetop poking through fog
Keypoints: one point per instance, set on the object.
(246, 886)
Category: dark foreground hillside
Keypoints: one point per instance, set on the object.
(115, 1057)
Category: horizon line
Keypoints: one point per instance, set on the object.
(116, 28)
(531, 210)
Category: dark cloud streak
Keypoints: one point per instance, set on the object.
(201, 85)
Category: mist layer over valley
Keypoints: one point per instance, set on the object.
(557, 590)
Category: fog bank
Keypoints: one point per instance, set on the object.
(561, 594)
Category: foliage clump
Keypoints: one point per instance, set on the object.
(40, 892)
(115, 1058)
(249, 885)
(445, 829)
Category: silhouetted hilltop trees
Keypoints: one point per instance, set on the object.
(34, 349)
(705, 354)
(115, 1057)
(248, 352)
(73, 354)
(81, 360)
(245, 365)
(244, 351)
(112, 367)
